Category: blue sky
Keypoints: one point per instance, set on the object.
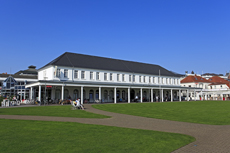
(179, 35)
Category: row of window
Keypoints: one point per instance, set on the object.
(120, 77)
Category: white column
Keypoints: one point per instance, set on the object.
(62, 92)
(100, 94)
(39, 93)
(162, 95)
(187, 95)
(179, 95)
(21, 91)
(222, 97)
(195, 95)
(25, 93)
(171, 96)
(115, 95)
(82, 95)
(201, 95)
(151, 95)
(53, 93)
(141, 96)
(31, 93)
(128, 95)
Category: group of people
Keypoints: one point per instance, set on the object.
(78, 105)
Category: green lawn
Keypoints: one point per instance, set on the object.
(42, 136)
(61, 111)
(203, 112)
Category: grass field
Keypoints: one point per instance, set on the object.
(43, 136)
(60, 111)
(203, 112)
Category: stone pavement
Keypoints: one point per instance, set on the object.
(209, 138)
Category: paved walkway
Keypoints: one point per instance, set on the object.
(209, 138)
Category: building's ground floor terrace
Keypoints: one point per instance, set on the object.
(107, 93)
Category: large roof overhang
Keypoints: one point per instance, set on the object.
(108, 85)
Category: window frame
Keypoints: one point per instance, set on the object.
(105, 76)
(118, 77)
(58, 73)
(111, 76)
(66, 73)
(91, 75)
(82, 74)
(75, 74)
(97, 75)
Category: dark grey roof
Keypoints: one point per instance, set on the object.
(30, 71)
(212, 74)
(94, 62)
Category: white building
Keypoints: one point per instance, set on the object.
(215, 88)
(14, 84)
(72, 76)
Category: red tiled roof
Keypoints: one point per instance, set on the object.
(218, 80)
(194, 78)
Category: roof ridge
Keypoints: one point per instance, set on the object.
(69, 60)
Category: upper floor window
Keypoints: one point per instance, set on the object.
(144, 79)
(65, 73)
(91, 75)
(139, 78)
(133, 78)
(123, 77)
(111, 76)
(58, 73)
(153, 79)
(118, 77)
(75, 74)
(130, 78)
(105, 76)
(83, 74)
(97, 76)
(150, 79)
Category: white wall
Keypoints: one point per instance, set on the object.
(48, 72)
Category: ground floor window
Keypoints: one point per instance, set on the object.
(58, 94)
(66, 94)
(75, 94)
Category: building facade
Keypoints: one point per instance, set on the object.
(14, 84)
(215, 88)
(92, 78)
